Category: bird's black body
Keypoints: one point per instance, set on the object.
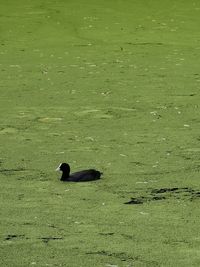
(81, 176)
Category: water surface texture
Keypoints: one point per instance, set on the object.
(112, 85)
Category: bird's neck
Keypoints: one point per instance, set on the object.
(65, 176)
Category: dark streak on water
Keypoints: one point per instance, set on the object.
(47, 239)
(165, 194)
(146, 43)
(13, 236)
(122, 256)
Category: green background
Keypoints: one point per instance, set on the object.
(112, 85)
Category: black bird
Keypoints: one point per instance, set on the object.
(81, 176)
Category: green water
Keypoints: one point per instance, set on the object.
(107, 84)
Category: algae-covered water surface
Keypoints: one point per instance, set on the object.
(111, 85)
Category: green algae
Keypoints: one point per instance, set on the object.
(107, 84)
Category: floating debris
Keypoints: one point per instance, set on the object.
(144, 213)
(135, 201)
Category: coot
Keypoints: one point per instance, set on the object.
(81, 176)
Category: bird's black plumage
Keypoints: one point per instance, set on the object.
(81, 176)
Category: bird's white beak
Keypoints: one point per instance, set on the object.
(57, 169)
